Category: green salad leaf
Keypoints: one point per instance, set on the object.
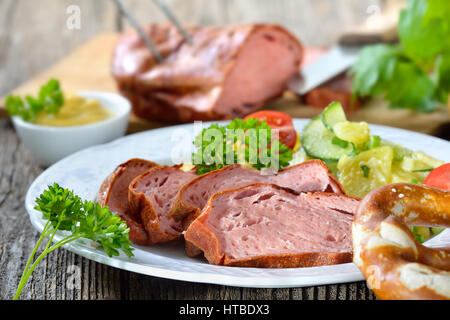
(65, 211)
(246, 141)
(415, 73)
(50, 99)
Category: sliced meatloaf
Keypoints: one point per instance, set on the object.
(228, 71)
(311, 175)
(151, 195)
(114, 194)
(268, 226)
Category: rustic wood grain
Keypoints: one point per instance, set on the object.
(33, 38)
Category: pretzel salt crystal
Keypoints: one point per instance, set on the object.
(394, 263)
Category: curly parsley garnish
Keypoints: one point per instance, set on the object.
(65, 211)
(246, 141)
(50, 99)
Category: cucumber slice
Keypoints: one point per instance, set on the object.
(317, 141)
(332, 115)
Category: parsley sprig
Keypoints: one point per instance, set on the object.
(414, 74)
(65, 211)
(50, 99)
(214, 146)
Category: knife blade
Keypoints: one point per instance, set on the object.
(336, 61)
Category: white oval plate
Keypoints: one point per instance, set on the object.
(84, 171)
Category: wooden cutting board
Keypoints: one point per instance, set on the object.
(88, 68)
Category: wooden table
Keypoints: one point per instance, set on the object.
(34, 36)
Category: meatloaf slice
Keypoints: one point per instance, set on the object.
(311, 175)
(114, 194)
(268, 226)
(228, 71)
(151, 195)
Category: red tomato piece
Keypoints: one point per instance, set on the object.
(439, 177)
(280, 121)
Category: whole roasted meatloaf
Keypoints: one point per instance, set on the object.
(227, 72)
(264, 225)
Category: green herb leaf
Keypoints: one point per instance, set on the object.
(423, 170)
(50, 99)
(357, 149)
(104, 228)
(365, 169)
(419, 237)
(217, 146)
(339, 142)
(51, 96)
(65, 211)
(60, 207)
(374, 142)
(399, 153)
(436, 230)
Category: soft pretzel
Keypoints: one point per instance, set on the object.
(394, 263)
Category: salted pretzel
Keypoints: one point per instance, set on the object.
(394, 263)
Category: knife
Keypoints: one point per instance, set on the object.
(380, 27)
(145, 38)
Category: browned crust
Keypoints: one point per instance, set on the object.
(137, 233)
(105, 188)
(107, 185)
(336, 186)
(301, 260)
(201, 238)
(181, 211)
(139, 203)
(191, 250)
(380, 265)
(148, 105)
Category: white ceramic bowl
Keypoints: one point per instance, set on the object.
(50, 144)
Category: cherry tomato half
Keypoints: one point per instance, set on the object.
(278, 121)
(439, 177)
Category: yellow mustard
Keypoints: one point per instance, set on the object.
(76, 110)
